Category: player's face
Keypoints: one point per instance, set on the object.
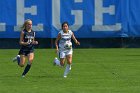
(29, 25)
(65, 27)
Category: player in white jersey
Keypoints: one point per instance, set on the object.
(65, 47)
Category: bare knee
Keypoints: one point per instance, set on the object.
(62, 63)
(69, 60)
(30, 61)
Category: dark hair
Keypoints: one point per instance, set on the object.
(64, 23)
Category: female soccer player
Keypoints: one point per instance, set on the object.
(65, 47)
(27, 42)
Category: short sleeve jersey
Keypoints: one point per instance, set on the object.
(65, 37)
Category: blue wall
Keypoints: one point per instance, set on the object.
(87, 18)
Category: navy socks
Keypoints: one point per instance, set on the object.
(27, 68)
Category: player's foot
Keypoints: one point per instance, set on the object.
(23, 76)
(18, 59)
(70, 68)
(65, 76)
(54, 61)
(14, 59)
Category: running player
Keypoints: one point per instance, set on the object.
(27, 42)
(65, 51)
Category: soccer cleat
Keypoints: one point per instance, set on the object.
(18, 59)
(15, 59)
(54, 61)
(23, 76)
(70, 68)
(65, 76)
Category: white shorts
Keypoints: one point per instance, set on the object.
(63, 54)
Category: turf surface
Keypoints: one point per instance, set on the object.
(115, 70)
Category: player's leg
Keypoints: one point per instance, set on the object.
(56, 61)
(30, 57)
(17, 58)
(59, 63)
(22, 60)
(62, 59)
(69, 62)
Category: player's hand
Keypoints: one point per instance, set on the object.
(56, 51)
(35, 42)
(77, 43)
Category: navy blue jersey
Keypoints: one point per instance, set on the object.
(28, 37)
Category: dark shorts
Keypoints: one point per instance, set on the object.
(23, 52)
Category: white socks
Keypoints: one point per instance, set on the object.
(67, 70)
(57, 62)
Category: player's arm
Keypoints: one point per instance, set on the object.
(21, 42)
(34, 42)
(75, 40)
(56, 41)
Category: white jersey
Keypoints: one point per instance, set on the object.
(65, 38)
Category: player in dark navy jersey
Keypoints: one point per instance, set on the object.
(27, 42)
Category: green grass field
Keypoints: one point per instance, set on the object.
(93, 71)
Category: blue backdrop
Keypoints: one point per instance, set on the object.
(87, 18)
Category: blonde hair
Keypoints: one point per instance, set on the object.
(25, 23)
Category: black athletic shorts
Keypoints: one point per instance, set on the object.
(25, 52)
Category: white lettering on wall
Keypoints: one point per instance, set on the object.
(78, 14)
(78, 17)
(2, 27)
(21, 10)
(99, 11)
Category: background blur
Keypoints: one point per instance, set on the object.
(95, 23)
